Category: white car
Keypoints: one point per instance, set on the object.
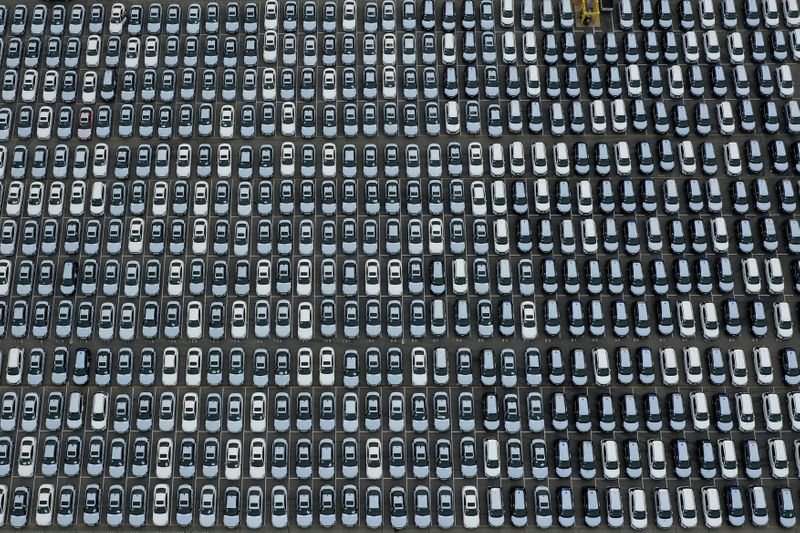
(161, 507)
(190, 412)
(44, 505)
(305, 375)
(785, 81)
(725, 118)
(528, 318)
(233, 460)
(745, 414)
(539, 158)
(784, 327)
(305, 321)
(712, 507)
(226, 122)
(116, 19)
(132, 49)
(698, 406)
(374, 459)
(435, 236)
(491, 458)
(258, 451)
(419, 367)
(736, 48)
(509, 48)
(271, 15)
(151, 53)
(470, 511)
(479, 200)
(30, 85)
(395, 280)
(675, 80)
(774, 274)
(304, 281)
(709, 322)
(239, 320)
(475, 160)
(793, 401)
(36, 197)
(287, 160)
(14, 198)
(669, 367)
(771, 408)
(778, 458)
(50, 87)
(93, 50)
(691, 47)
(751, 276)
(269, 88)
(687, 507)
(327, 368)
(657, 459)
(164, 450)
(517, 158)
(288, 119)
(194, 321)
(609, 452)
(687, 327)
(633, 79)
(26, 457)
(597, 112)
(637, 508)
(726, 455)
(711, 46)
(791, 12)
(448, 53)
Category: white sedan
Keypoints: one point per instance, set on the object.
(528, 314)
(305, 321)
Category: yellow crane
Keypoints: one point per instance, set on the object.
(589, 12)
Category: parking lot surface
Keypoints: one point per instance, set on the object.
(335, 264)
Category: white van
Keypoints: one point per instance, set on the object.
(762, 362)
(669, 366)
(602, 366)
(609, 452)
(16, 360)
(501, 239)
(719, 235)
(698, 402)
(491, 458)
(691, 47)
(533, 85)
(693, 365)
(541, 196)
(441, 367)
(711, 46)
(589, 236)
(99, 418)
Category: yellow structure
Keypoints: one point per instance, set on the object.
(589, 12)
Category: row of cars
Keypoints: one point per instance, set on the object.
(499, 236)
(410, 120)
(283, 413)
(480, 198)
(393, 319)
(234, 459)
(289, 16)
(254, 509)
(603, 159)
(176, 278)
(625, 366)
